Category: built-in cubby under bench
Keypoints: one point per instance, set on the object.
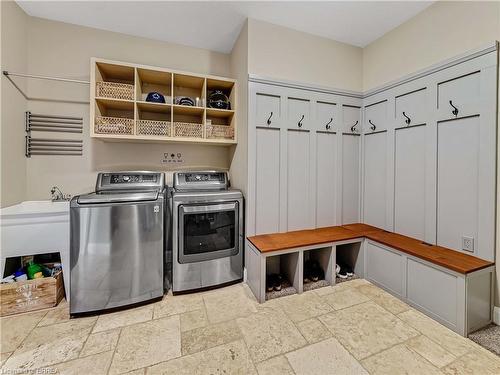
(453, 288)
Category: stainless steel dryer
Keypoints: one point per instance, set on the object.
(207, 231)
(117, 242)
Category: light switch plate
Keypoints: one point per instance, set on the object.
(468, 243)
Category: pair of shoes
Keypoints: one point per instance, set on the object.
(313, 271)
(343, 270)
(273, 282)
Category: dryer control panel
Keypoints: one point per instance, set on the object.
(201, 181)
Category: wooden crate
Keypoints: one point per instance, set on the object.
(30, 295)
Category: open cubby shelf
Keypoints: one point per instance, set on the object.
(120, 112)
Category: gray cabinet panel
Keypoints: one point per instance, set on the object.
(375, 179)
(326, 171)
(350, 178)
(268, 107)
(267, 181)
(375, 117)
(464, 92)
(433, 290)
(299, 113)
(409, 181)
(298, 180)
(385, 267)
(414, 106)
(457, 193)
(326, 116)
(351, 119)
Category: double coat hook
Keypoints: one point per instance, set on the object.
(455, 109)
(328, 126)
(372, 125)
(300, 121)
(353, 128)
(269, 119)
(408, 120)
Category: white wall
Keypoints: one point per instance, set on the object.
(13, 105)
(282, 53)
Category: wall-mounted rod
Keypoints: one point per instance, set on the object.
(7, 73)
(56, 140)
(69, 153)
(62, 130)
(33, 115)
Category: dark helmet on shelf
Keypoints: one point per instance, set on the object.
(217, 99)
(155, 97)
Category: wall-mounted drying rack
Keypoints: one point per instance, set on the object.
(53, 146)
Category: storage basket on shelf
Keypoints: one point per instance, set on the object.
(188, 129)
(153, 127)
(114, 125)
(31, 295)
(220, 132)
(114, 90)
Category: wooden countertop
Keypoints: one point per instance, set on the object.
(447, 258)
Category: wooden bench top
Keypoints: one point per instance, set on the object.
(447, 258)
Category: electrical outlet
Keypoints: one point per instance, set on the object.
(468, 243)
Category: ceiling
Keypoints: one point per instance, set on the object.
(215, 25)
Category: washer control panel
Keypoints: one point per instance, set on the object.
(201, 181)
(113, 181)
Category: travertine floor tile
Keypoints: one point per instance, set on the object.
(431, 351)
(313, 330)
(95, 364)
(100, 342)
(207, 337)
(4, 357)
(275, 366)
(123, 318)
(145, 344)
(51, 344)
(367, 328)
(173, 305)
(345, 298)
(475, 362)
(446, 338)
(341, 286)
(304, 306)
(14, 329)
(193, 319)
(229, 303)
(323, 358)
(384, 299)
(398, 360)
(230, 359)
(269, 333)
(55, 315)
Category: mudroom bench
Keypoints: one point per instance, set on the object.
(451, 287)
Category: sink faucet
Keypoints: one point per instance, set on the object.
(57, 195)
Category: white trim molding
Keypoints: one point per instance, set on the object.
(496, 315)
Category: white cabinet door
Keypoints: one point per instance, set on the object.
(459, 96)
(267, 180)
(410, 181)
(375, 179)
(412, 108)
(268, 110)
(298, 180)
(299, 113)
(351, 144)
(326, 181)
(326, 117)
(375, 117)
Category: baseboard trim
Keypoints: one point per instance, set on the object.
(496, 315)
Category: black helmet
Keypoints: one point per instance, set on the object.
(217, 99)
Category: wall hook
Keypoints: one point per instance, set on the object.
(353, 128)
(455, 109)
(372, 125)
(269, 119)
(408, 120)
(328, 126)
(300, 121)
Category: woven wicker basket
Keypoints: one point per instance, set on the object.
(188, 129)
(114, 90)
(114, 125)
(220, 132)
(153, 127)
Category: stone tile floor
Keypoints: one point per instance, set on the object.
(351, 328)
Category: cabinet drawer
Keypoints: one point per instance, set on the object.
(268, 107)
(411, 108)
(299, 113)
(433, 290)
(351, 118)
(375, 117)
(326, 117)
(463, 92)
(385, 267)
